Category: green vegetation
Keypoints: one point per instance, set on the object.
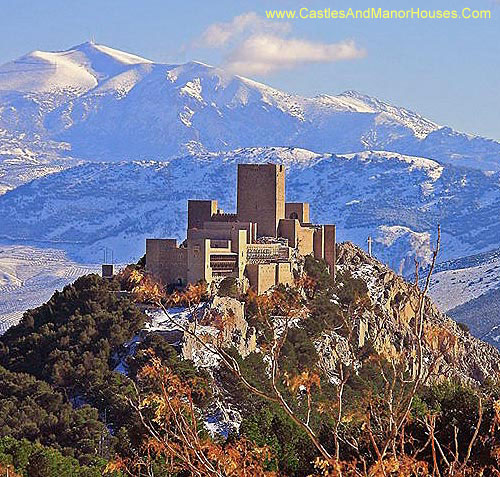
(58, 386)
(35, 460)
(70, 341)
(268, 425)
(64, 411)
(31, 409)
(73, 341)
(229, 287)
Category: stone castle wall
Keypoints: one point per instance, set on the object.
(165, 251)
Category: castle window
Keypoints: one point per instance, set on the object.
(294, 215)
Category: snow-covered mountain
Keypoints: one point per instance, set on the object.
(107, 104)
(101, 148)
(468, 289)
(26, 157)
(456, 282)
(65, 117)
(397, 199)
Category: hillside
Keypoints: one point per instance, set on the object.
(481, 315)
(29, 276)
(88, 344)
(391, 296)
(456, 282)
(467, 289)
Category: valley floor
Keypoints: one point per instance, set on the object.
(29, 276)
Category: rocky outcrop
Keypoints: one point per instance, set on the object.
(394, 307)
(222, 323)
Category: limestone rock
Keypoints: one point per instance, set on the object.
(395, 304)
(222, 323)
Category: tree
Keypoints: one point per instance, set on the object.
(369, 436)
(175, 437)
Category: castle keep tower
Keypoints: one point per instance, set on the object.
(261, 196)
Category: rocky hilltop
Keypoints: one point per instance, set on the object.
(393, 298)
(385, 323)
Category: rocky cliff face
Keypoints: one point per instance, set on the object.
(222, 322)
(386, 321)
(394, 304)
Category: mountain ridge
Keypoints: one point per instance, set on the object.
(163, 107)
(396, 199)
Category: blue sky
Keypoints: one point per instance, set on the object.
(447, 70)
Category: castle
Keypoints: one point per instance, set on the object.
(259, 242)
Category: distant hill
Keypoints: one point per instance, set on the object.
(399, 200)
(468, 290)
(482, 316)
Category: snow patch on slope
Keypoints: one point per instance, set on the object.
(459, 281)
(432, 168)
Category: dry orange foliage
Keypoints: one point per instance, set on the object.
(303, 381)
(144, 288)
(8, 471)
(172, 423)
(390, 467)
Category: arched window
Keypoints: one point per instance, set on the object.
(294, 215)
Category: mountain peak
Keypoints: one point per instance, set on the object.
(352, 93)
(200, 63)
(93, 48)
(77, 69)
(375, 103)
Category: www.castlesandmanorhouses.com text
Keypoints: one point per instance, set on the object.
(380, 14)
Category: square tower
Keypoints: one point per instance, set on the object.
(297, 210)
(261, 196)
(200, 211)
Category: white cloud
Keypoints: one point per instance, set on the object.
(220, 34)
(266, 53)
(253, 44)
